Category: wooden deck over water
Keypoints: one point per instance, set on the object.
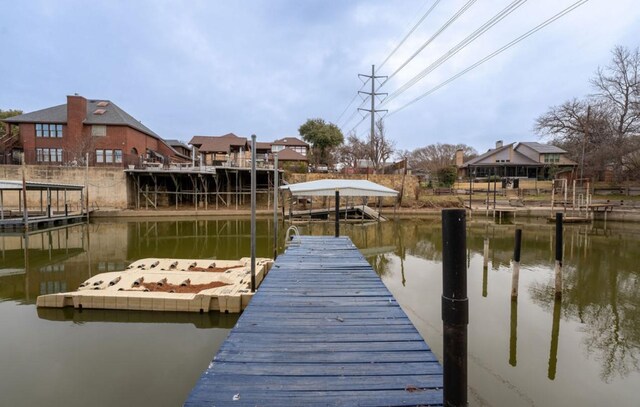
(322, 330)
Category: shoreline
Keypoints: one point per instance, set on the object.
(630, 215)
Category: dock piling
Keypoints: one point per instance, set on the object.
(559, 244)
(515, 276)
(455, 307)
(275, 205)
(337, 234)
(253, 213)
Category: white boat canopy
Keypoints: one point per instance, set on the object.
(346, 187)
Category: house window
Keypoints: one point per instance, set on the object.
(98, 130)
(108, 156)
(551, 158)
(49, 155)
(48, 130)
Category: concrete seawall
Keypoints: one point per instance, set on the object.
(107, 186)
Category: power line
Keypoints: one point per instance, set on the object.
(424, 16)
(496, 52)
(446, 25)
(457, 48)
(351, 102)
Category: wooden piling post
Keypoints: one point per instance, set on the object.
(337, 234)
(253, 213)
(455, 307)
(558, 268)
(515, 276)
(276, 180)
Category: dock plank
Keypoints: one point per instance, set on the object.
(322, 330)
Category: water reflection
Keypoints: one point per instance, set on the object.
(597, 323)
(201, 321)
(600, 278)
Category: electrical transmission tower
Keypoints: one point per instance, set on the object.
(373, 95)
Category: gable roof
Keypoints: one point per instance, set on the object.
(112, 115)
(542, 148)
(517, 158)
(288, 154)
(177, 143)
(487, 154)
(290, 141)
(218, 144)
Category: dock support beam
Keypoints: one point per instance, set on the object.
(455, 306)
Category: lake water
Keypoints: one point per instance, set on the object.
(582, 351)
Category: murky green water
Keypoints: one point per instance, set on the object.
(583, 351)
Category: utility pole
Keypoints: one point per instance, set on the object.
(373, 110)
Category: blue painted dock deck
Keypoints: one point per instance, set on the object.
(322, 330)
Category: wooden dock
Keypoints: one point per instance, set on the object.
(322, 330)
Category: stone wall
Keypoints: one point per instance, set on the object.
(393, 181)
(107, 186)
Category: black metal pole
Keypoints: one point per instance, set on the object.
(515, 275)
(559, 244)
(337, 213)
(455, 307)
(518, 244)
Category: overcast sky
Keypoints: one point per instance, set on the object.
(188, 68)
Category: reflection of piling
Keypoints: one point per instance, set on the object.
(513, 337)
(558, 270)
(515, 276)
(555, 333)
(485, 267)
(455, 307)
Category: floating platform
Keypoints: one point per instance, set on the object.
(167, 285)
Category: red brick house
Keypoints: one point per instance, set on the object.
(66, 134)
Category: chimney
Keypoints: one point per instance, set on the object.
(498, 143)
(459, 157)
(76, 113)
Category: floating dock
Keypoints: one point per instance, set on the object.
(322, 330)
(167, 285)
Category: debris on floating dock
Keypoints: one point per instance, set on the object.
(167, 285)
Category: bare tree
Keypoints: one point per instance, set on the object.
(437, 156)
(602, 127)
(352, 151)
(380, 147)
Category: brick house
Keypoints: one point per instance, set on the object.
(65, 134)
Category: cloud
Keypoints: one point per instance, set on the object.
(264, 67)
